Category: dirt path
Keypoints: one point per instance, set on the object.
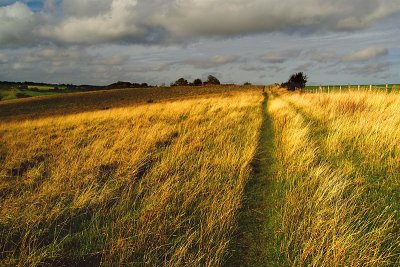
(255, 243)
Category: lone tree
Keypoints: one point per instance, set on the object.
(212, 80)
(197, 82)
(297, 80)
(180, 82)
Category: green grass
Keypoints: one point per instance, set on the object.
(256, 242)
(10, 94)
(7, 94)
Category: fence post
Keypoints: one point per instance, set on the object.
(358, 88)
(340, 89)
(387, 88)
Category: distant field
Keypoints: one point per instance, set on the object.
(201, 176)
(10, 94)
(44, 87)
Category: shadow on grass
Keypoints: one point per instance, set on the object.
(256, 243)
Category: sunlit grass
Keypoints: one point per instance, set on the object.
(156, 184)
(339, 155)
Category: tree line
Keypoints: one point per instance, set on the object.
(211, 80)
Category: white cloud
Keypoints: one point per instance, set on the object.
(174, 21)
(367, 54)
(17, 22)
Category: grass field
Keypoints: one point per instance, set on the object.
(71, 103)
(339, 158)
(41, 87)
(14, 93)
(205, 176)
(157, 184)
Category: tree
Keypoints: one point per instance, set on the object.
(197, 82)
(180, 82)
(296, 80)
(212, 80)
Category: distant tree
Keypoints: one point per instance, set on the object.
(296, 80)
(180, 82)
(247, 83)
(24, 87)
(212, 80)
(197, 82)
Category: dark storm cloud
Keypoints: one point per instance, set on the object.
(175, 21)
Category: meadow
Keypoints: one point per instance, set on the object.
(15, 93)
(208, 176)
(73, 103)
(338, 162)
(156, 184)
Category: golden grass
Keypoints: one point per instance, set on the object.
(156, 184)
(339, 156)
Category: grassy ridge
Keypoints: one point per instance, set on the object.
(339, 157)
(154, 184)
(71, 103)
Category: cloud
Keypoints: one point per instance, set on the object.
(280, 56)
(252, 68)
(368, 70)
(175, 21)
(322, 56)
(17, 23)
(276, 69)
(69, 56)
(3, 58)
(367, 54)
(303, 67)
(215, 61)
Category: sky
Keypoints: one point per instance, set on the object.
(158, 41)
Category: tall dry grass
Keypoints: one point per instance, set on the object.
(339, 157)
(157, 184)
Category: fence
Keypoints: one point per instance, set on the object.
(388, 88)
